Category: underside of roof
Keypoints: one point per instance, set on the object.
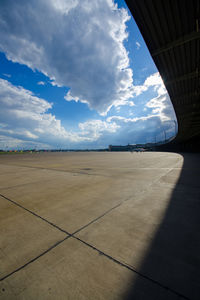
(171, 30)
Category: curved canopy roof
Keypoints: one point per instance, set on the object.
(171, 30)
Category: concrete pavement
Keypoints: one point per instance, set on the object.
(99, 226)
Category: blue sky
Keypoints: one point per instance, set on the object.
(77, 74)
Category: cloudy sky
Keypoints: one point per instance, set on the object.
(77, 74)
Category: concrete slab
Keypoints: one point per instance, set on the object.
(12, 176)
(156, 232)
(138, 215)
(22, 237)
(72, 200)
(74, 271)
(93, 162)
(126, 232)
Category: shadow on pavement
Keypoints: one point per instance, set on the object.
(172, 263)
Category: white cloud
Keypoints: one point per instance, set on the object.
(139, 89)
(20, 100)
(140, 129)
(25, 122)
(161, 104)
(154, 79)
(78, 44)
(64, 6)
(138, 45)
(157, 115)
(128, 120)
(7, 142)
(24, 116)
(41, 83)
(161, 107)
(94, 129)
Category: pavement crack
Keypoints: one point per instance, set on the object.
(34, 214)
(35, 258)
(130, 268)
(99, 217)
(122, 202)
(69, 235)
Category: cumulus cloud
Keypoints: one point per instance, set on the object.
(7, 142)
(140, 129)
(78, 44)
(154, 80)
(161, 104)
(127, 120)
(93, 129)
(162, 107)
(25, 116)
(154, 119)
(25, 121)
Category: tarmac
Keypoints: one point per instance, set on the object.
(92, 225)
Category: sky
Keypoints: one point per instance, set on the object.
(76, 74)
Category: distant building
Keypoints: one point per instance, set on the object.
(139, 147)
(122, 148)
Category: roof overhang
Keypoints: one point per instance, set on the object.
(171, 30)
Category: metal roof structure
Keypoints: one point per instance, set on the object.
(171, 30)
